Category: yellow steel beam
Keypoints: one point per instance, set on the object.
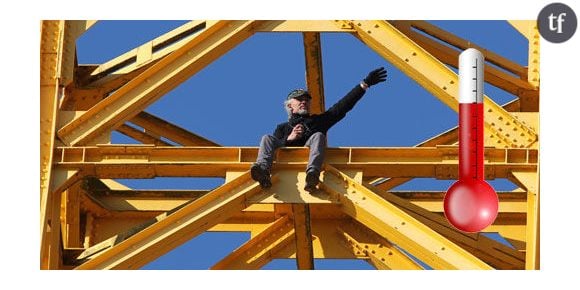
(534, 54)
(289, 189)
(163, 76)
(158, 126)
(178, 227)
(49, 94)
(433, 200)
(299, 26)
(314, 79)
(397, 226)
(50, 215)
(303, 237)
(260, 249)
(530, 182)
(463, 44)
(446, 54)
(82, 97)
(142, 161)
(154, 50)
(438, 79)
(70, 217)
(381, 253)
(514, 234)
(145, 200)
(141, 136)
(529, 29)
(492, 252)
(166, 199)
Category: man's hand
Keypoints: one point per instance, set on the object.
(376, 76)
(297, 132)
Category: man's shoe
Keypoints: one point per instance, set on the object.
(261, 175)
(311, 181)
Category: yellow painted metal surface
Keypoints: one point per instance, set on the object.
(380, 253)
(155, 125)
(314, 80)
(299, 26)
(531, 182)
(259, 250)
(397, 226)
(303, 236)
(140, 161)
(49, 87)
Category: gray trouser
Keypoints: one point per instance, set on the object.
(316, 143)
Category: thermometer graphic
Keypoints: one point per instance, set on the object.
(471, 204)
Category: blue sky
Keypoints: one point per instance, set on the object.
(238, 98)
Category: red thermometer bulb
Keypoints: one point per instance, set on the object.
(471, 204)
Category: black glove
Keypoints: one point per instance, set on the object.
(376, 76)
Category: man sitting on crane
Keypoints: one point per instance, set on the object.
(305, 129)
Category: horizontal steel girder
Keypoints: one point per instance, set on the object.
(143, 161)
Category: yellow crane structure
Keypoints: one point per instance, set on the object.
(90, 221)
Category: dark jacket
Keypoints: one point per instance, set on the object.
(318, 123)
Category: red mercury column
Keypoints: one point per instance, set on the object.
(471, 204)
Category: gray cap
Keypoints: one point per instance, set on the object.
(298, 93)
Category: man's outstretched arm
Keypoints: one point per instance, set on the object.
(339, 110)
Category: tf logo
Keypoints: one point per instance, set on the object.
(557, 22)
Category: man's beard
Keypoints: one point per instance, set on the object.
(302, 112)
